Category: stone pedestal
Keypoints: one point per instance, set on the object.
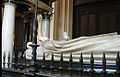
(8, 26)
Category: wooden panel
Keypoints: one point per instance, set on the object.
(19, 33)
(84, 25)
(103, 18)
(76, 26)
(107, 22)
(92, 24)
(77, 2)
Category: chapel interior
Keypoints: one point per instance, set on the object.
(67, 20)
(83, 18)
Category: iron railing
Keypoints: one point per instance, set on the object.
(48, 68)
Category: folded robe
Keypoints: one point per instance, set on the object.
(108, 43)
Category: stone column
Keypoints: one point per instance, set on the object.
(45, 25)
(39, 26)
(51, 27)
(8, 26)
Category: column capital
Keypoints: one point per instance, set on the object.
(39, 17)
(7, 3)
(46, 15)
(11, 1)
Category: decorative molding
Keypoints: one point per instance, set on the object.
(41, 5)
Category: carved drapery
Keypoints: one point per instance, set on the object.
(63, 19)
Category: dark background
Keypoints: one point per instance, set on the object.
(93, 17)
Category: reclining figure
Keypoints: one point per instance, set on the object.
(108, 43)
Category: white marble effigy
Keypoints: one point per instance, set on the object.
(108, 43)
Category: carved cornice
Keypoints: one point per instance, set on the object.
(41, 5)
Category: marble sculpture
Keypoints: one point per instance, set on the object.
(108, 43)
